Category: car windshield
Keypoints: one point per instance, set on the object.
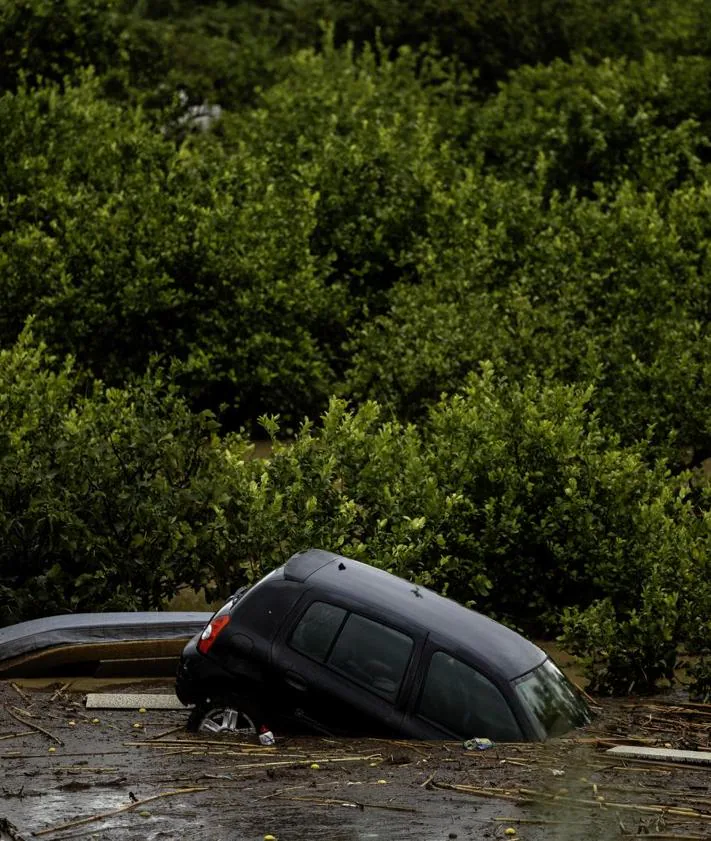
(552, 701)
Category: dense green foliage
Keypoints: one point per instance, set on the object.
(480, 230)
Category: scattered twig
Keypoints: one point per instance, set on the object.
(135, 805)
(532, 795)
(34, 726)
(528, 820)
(588, 698)
(428, 780)
(25, 697)
(328, 801)
(59, 692)
(17, 735)
(166, 733)
(668, 836)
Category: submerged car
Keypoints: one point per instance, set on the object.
(340, 647)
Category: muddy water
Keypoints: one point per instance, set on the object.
(362, 790)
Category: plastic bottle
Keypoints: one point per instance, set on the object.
(266, 737)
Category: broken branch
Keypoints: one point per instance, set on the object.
(34, 727)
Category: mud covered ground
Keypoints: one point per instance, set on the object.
(150, 779)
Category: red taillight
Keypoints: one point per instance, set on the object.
(209, 635)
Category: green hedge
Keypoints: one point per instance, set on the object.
(108, 499)
(484, 227)
(510, 498)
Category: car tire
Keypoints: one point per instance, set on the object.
(227, 714)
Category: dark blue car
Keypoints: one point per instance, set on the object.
(341, 647)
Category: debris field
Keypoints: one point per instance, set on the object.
(73, 772)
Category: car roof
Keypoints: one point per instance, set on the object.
(500, 649)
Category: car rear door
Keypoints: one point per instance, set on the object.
(344, 670)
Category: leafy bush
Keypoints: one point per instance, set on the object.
(108, 500)
(631, 646)
(611, 292)
(509, 496)
(198, 257)
(497, 36)
(617, 121)
(50, 39)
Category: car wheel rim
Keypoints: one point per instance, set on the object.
(228, 720)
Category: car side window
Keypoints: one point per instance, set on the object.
(372, 654)
(465, 702)
(317, 629)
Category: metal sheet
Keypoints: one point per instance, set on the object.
(38, 634)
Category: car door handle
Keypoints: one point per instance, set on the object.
(295, 681)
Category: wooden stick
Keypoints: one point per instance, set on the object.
(530, 820)
(34, 727)
(59, 691)
(17, 735)
(588, 698)
(328, 801)
(135, 805)
(531, 795)
(167, 733)
(25, 697)
(668, 836)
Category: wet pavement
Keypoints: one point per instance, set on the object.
(128, 775)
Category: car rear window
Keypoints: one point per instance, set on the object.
(317, 629)
(465, 702)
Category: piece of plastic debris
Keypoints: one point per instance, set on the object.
(557, 772)
(382, 782)
(137, 725)
(72, 723)
(95, 721)
(315, 766)
(52, 750)
(478, 744)
(266, 737)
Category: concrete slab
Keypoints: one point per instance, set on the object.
(132, 701)
(686, 757)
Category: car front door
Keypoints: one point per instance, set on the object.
(343, 671)
(454, 697)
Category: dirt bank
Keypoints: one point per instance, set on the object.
(90, 763)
